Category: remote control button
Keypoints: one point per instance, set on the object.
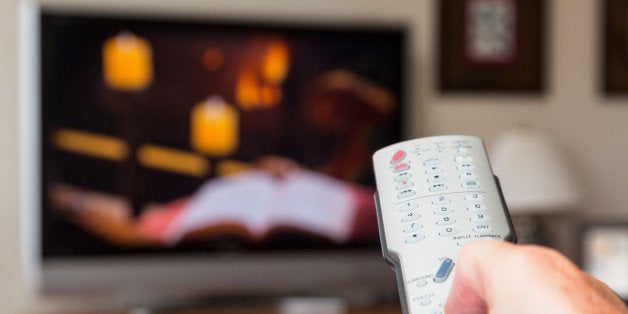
(443, 210)
(431, 162)
(425, 301)
(421, 282)
(407, 206)
(433, 170)
(465, 167)
(462, 149)
(441, 200)
(404, 185)
(412, 227)
(448, 232)
(401, 167)
(471, 184)
(474, 197)
(435, 178)
(444, 270)
(412, 216)
(468, 175)
(464, 159)
(403, 176)
(445, 221)
(480, 218)
(483, 229)
(438, 187)
(477, 208)
(463, 242)
(405, 194)
(398, 157)
(417, 237)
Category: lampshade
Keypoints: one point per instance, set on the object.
(534, 175)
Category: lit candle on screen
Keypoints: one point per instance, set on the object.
(247, 93)
(127, 62)
(276, 62)
(214, 127)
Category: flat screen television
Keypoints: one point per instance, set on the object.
(183, 157)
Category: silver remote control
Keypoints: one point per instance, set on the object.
(435, 195)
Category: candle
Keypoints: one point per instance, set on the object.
(127, 62)
(276, 62)
(214, 127)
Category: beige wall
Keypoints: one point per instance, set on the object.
(10, 284)
(591, 128)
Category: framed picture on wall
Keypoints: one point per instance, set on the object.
(491, 46)
(615, 47)
(604, 254)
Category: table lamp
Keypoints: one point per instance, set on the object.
(535, 178)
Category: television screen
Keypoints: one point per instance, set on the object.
(179, 136)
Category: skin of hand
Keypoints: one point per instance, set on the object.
(276, 165)
(105, 215)
(500, 277)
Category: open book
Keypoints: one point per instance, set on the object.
(259, 203)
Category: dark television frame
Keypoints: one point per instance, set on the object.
(336, 273)
(291, 29)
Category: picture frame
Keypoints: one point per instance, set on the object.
(491, 46)
(614, 44)
(603, 253)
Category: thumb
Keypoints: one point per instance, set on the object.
(499, 277)
(468, 294)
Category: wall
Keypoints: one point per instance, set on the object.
(10, 284)
(589, 127)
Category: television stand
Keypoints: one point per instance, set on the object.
(287, 305)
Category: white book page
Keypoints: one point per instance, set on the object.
(259, 201)
(243, 199)
(316, 203)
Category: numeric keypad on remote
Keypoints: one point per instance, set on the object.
(435, 195)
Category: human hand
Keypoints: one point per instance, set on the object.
(277, 165)
(105, 215)
(500, 277)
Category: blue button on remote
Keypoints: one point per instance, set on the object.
(444, 270)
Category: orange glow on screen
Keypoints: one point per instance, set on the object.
(214, 127)
(276, 63)
(270, 96)
(247, 90)
(127, 62)
(172, 160)
(229, 167)
(213, 59)
(258, 85)
(90, 144)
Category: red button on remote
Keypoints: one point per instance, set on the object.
(401, 167)
(398, 157)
